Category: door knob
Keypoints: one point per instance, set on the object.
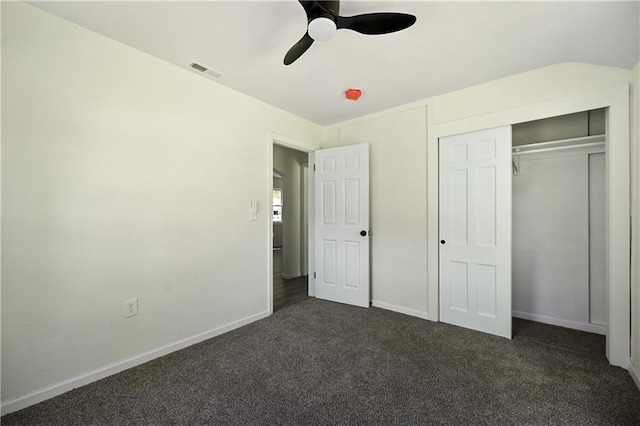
(363, 233)
(442, 241)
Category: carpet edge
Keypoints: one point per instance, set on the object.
(111, 369)
(401, 309)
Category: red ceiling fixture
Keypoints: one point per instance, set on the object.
(353, 94)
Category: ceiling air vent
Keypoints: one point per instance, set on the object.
(216, 75)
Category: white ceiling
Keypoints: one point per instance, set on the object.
(453, 45)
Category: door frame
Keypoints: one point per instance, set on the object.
(287, 142)
(617, 208)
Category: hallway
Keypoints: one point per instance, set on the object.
(287, 292)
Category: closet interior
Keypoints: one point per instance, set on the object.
(558, 245)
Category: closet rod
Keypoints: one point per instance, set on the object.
(558, 148)
(584, 141)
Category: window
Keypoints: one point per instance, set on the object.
(277, 205)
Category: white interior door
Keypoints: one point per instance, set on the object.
(475, 230)
(342, 224)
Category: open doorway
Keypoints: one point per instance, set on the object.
(289, 223)
(558, 214)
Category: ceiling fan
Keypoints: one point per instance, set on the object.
(323, 20)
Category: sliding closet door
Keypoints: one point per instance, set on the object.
(475, 230)
(598, 312)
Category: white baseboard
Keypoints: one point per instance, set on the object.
(291, 275)
(400, 309)
(591, 328)
(101, 373)
(635, 373)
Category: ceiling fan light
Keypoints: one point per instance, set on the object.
(321, 29)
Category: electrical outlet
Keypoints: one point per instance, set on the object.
(130, 307)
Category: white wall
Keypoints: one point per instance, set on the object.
(123, 176)
(552, 82)
(398, 149)
(635, 208)
(288, 163)
(398, 205)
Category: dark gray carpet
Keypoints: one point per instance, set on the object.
(323, 363)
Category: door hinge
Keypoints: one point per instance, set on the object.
(314, 275)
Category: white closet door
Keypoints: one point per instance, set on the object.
(475, 230)
(598, 312)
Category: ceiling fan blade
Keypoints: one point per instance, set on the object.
(298, 49)
(307, 6)
(376, 23)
